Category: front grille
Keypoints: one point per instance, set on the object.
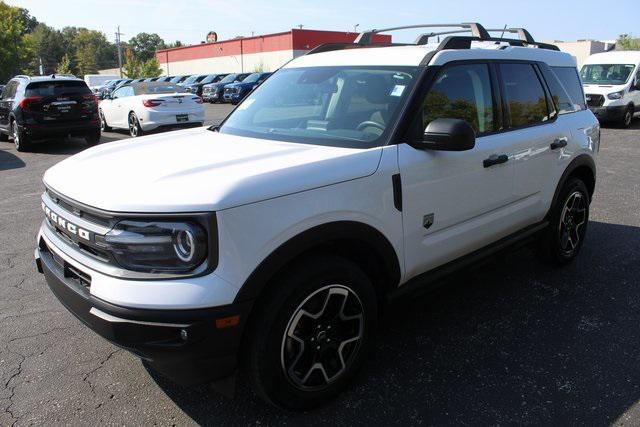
(206, 90)
(595, 100)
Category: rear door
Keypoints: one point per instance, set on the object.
(60, 102)
(452, 203)
(536, 135)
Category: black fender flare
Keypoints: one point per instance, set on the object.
(580, 161)
(316, 237)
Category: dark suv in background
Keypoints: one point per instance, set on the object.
(39, 108)
(196, 88)
(235, 92)
(213, 92)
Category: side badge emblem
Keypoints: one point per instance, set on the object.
(427, 221)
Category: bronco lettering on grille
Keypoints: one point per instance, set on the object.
(68, 227)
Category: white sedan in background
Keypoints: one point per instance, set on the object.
(142, 107)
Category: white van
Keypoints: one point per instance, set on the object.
(94, 81)
(611, 83)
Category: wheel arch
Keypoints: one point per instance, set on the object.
(356, 241)
(583, 167)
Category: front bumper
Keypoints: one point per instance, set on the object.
(187, 346)
(609, 113)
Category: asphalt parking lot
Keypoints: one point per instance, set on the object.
(508, 342)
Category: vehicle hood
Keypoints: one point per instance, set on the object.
(200, 170)
(597, 89)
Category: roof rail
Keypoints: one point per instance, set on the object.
(522, 33)
(476, 29)
(22, 76)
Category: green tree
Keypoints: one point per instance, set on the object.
(151, 68)
(144, 45)
(48, 46)
(64, 67)
(176, 43)
(15, 51)
(86, 59)
(29, 23)
(131, 66)
(627, 42)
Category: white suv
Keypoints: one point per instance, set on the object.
(355, 174)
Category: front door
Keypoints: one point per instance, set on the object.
(455, 202)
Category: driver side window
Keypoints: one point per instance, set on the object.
(462, 92)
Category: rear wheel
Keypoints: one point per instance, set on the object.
(104, 127)
(4, 137)
(312, 332)
(563, 239)
(20, 140)
(92, 139)
(134, 126)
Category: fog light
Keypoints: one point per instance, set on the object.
(184, 334)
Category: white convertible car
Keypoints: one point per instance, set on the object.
(142, 107)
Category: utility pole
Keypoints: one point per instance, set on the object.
(118, 34)
(355, 28)
(41, 67)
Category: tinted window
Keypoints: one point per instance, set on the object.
(462, 92)
(230, 78)
(252, 78)
(569, 96)
(524, 95)
(158, 88)
(9, 91)
(57, 88)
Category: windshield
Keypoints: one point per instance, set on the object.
(193, 79)
(338, 106)
(252, 78)
(210, 79)
(230, 78)
(606, 74)
(146, 89)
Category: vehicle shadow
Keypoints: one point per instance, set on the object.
(509, 342)
(67, 146)
(8, 160)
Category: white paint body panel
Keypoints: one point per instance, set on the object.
(266, 192)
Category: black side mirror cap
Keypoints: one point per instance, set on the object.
(448, 135)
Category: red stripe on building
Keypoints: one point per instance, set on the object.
(290, 40)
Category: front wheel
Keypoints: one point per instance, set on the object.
(135, 130)
(627, 118)
(104, 126)
(311, 333)
(561, 242)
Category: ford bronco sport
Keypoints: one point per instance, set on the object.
(356, 173)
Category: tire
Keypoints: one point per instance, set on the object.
(104, 127)
(134, 126)
(627, 118)
(4, 137)
(344, 309)
(561, 242)
(92, 139)
(20, 140)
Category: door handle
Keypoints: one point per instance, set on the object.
(558, 143)
(495, 159)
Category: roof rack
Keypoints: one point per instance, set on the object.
(22, 76)
(476, 29)
(478, 34)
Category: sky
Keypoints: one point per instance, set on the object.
(190, 20)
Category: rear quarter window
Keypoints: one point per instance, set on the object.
(567, 85)
(57, 88)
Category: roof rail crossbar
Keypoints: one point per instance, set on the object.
(476, 29)
(522, 33)
(424, 38)
(455, 42)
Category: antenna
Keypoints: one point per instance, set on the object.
(503, 30)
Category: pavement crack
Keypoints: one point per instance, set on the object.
(96, 369)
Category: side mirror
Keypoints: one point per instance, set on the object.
(448, 135)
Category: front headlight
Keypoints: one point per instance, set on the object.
(157, 246)
(616, 95)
